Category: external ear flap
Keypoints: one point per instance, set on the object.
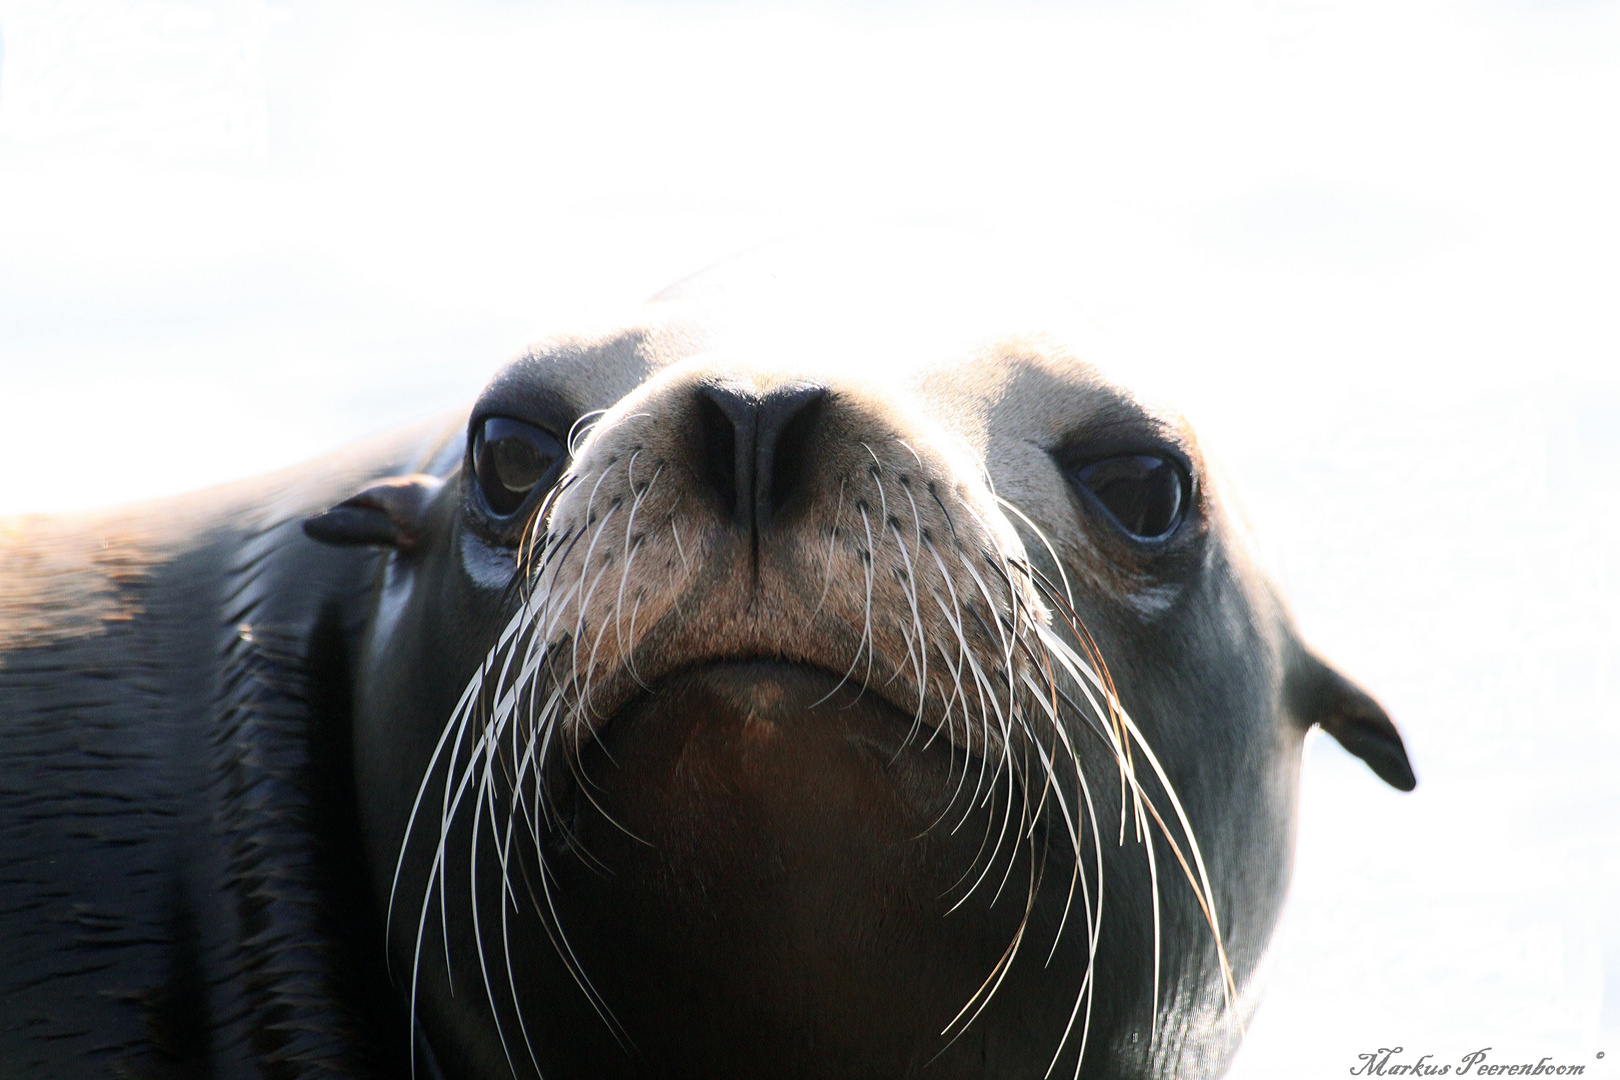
(1319, 695)
(387, 514)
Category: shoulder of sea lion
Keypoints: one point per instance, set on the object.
(167, 672)
(75, 575)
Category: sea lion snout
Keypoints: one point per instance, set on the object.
(720, 514)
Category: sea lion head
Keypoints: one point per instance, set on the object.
(758, 694)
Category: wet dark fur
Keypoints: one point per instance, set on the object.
(181, 883)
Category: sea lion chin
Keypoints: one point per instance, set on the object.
(735, 690)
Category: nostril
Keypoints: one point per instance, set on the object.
(717, 452)
(787, 435)
(754, 453)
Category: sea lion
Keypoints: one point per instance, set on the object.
(736, 690)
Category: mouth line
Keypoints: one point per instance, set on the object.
(845, 692)
(948, 702)
(842, 682)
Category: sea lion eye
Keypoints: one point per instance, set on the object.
(510, 459)
(1144, 493)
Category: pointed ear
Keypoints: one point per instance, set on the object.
(386, 514)
(1317, 694)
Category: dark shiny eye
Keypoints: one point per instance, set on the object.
(511, 459)
(1142, 492)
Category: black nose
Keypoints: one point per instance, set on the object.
(754, 452)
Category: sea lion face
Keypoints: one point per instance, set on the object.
(741, 707)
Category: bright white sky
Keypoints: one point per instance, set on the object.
(1374, 245)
